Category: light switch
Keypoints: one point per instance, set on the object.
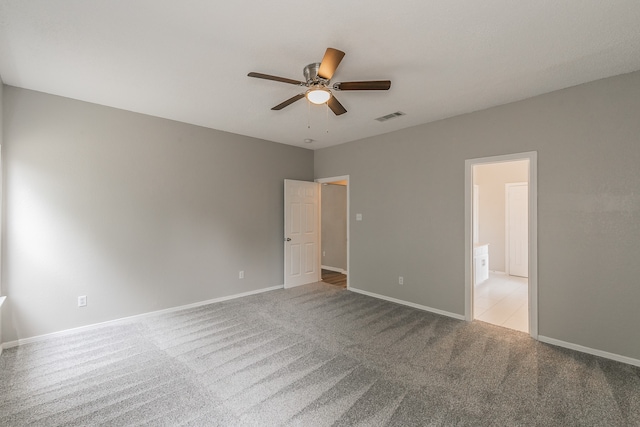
(358, 217)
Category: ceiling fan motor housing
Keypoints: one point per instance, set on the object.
(311, 75)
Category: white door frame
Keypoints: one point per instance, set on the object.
(507, 232)
(326, 181)
(532, 156)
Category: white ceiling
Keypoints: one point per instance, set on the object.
(188, 60)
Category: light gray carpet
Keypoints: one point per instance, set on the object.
(310, 356)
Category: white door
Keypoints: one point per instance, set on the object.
(301, 237)
(517, 206)
(476, 214)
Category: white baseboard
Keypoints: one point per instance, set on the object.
(407, 303)
(541, 338)
(588, 350)
(336, 269)
(552, 341)
(37, 338)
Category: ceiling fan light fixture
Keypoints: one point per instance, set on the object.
(318, 95)
(317, 80)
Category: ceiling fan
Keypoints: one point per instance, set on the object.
(318, 77)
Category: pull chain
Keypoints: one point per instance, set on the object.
(327, 116)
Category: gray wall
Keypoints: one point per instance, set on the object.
(140, 213)
(409, 186)
(492, 179)
(136, 212)
(334, 226)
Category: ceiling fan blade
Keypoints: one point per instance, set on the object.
(275, 78)
(368, 85)
(335, 106)
(288, 101)
(330, 62)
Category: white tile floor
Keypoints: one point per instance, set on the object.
(503, 300)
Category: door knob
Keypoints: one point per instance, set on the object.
(288, 239)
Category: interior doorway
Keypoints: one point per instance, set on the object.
(501, 236)
(334, 230)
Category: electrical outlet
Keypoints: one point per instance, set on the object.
(82, 301)
(324, 253)
(400, 280)
(241, 274)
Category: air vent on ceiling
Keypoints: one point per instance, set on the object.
(390, 116)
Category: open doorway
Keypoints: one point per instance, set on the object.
(334, 224)
(500, 294)
(501, 236)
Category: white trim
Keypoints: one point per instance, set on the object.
(334, 179)
(588, 350)
(552, 341)
(136, 317)
(336, 269)
(410, 304)
(532, 156)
